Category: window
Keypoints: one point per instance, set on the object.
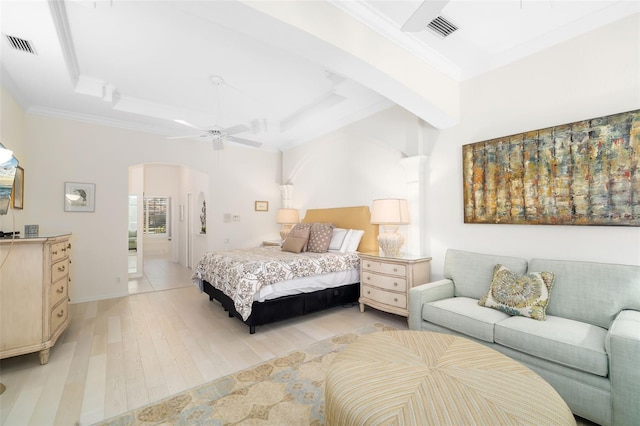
(156, 215)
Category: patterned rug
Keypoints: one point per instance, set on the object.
(284, 391)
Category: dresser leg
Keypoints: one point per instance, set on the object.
(362, 307)
(44, 356)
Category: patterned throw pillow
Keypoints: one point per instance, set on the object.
(514, 294)
(320, 237)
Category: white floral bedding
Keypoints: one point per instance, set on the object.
(240, 274)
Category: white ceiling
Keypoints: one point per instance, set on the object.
(144, 64)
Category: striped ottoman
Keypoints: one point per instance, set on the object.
(424, 378)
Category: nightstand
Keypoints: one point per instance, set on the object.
(385, 281)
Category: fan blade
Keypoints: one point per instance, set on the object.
(236, 129)
(193, 126)
(244, 141)
(200, 135)
(425, 13)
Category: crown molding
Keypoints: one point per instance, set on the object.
(94, 119)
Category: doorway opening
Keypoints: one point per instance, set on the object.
(161, 244)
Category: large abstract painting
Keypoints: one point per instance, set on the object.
(583, 173)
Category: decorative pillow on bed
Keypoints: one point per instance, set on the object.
(526, 295)
(294, 244)
(320, 237)
(337, 238)
(352, 241)
(301, 230)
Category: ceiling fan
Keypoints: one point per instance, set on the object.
(218, 134)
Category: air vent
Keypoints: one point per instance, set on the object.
(442, 27)
(20, 44)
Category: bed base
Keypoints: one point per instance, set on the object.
(287, 306)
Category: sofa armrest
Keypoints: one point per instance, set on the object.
(623, 347)
(424, 293)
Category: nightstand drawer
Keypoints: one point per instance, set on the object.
(385, 268)
(388, 298)
(385, 282)
(59, 270)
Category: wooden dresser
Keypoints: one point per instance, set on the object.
(34, 294)
(385, 281)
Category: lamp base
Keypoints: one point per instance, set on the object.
(390, 241)
(284, 231)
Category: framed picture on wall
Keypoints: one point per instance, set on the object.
(18, 189)
(262, 206)
(79, 197)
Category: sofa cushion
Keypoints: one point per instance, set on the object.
(472, 272)
(462, 314)
(526, 295)
(572, 343)
(591, 292)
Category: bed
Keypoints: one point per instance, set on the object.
(279, 300)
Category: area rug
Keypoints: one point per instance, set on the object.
(284, 391)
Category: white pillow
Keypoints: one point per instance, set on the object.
(337, 238)
(352, 240)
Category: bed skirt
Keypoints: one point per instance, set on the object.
(287, 306)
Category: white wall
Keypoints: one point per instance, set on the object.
(595, 75)
(57, 150)
(348, 167)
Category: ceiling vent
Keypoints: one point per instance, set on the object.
(442, 27)
(20, 44)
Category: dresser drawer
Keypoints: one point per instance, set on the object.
(58, 251)
(59, 291)
(388, 298)
(59, 270)
(385, 268)
(59, 315)
(385, 282)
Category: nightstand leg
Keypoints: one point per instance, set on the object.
(362, 307)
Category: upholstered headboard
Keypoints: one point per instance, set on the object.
(357, 217)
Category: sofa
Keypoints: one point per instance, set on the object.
(587, 346)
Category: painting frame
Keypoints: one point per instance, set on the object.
(261, 206)
(580, 173)
(17, 195)
(79, 197)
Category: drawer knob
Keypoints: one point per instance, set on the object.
(368, 278)
(368, 292)
(69, 246)
(395, 284)
(395, 269)
(395, 299)
(60, 290)
(55, 252)
(61, 313)
(368, 265)
(61, 268)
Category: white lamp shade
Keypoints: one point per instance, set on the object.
(390, 211)
(287, 216)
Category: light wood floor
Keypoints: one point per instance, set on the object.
(123, 353)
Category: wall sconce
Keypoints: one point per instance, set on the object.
(389, 213)
(287, 218)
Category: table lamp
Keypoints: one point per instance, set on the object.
(287, 218)
(390, 212)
